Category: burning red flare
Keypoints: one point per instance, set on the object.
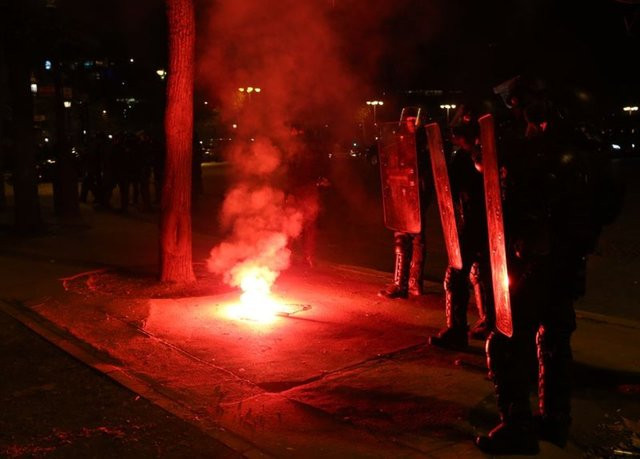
(256, 302)
(261, 221)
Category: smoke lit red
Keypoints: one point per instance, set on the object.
(260, 221)
(290, 50)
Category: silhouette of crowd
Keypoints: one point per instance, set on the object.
(131, 163)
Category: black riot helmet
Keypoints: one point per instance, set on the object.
(464, 124)
(527, 97)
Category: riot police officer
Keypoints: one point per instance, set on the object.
(406, 193)
(553, 186)
(468, 197)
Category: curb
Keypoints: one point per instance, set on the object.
(609, 320)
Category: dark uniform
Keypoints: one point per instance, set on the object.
(467, 191)
(555, 185)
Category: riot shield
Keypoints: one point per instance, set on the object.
(497, 248)
(400, 177)
(443, 193)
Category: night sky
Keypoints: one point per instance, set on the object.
(449, 44)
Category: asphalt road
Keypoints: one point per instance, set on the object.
(56, 406)
(613, 274)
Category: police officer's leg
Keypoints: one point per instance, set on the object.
(416, 269)
(480, 277)
(555, 358)
(456, 288)
(554, 384)
(399, 287)
(509, 372)
(510, 365)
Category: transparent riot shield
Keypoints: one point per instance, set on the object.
(495, 223)
(400, 176)
(443, 193)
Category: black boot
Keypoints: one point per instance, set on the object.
(554, 429)
(511, 436)
(399, 288)
(456, 289)
(554, 386)
(416, 268)
(450, 338)
(480, 330)
(515, 434)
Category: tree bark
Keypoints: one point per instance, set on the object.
(18, 56)
(65, 180)
(4, 110)
(175, 225)
(3, 197)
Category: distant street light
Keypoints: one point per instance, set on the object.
(630, 109)
(374, 104)
(448, 107)
(246, 94)
(67, 104)
(162, 73)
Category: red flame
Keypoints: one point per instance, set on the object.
(256, 302)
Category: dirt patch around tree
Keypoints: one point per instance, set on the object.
(135, 285)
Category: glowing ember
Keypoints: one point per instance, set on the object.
(256, 302)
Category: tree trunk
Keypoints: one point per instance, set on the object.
(4, 111)
(25, 185)
(3, 196)
(175, 225)
(65, 180)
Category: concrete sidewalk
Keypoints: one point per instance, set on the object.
(342, 374)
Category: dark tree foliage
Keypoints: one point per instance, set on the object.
(18, 32)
